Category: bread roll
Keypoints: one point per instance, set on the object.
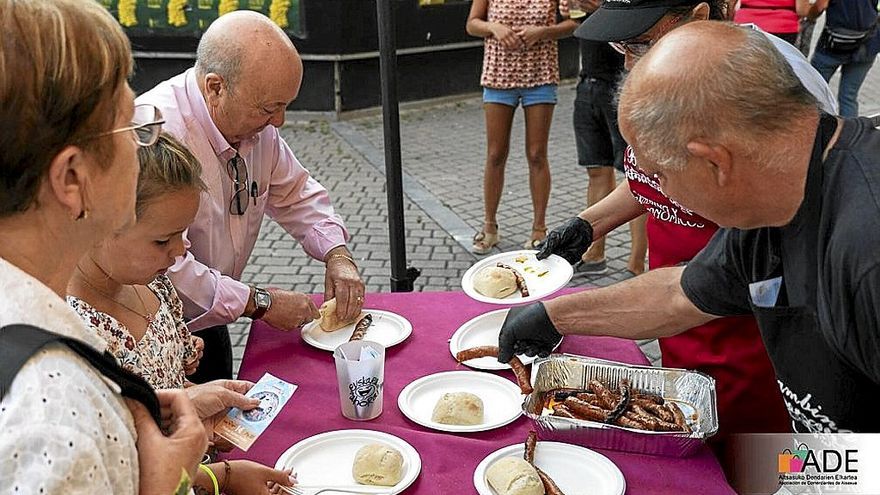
(458, 408)
(514, 476)
(496, 282)
(328, 321)
(377, 464)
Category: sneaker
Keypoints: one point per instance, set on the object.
(591, 267)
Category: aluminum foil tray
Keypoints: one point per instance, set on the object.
(693, 391)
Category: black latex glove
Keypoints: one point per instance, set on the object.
(570, 240)
(527, 330)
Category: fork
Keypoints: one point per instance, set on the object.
(314, 490)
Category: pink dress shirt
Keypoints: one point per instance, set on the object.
(219, 243)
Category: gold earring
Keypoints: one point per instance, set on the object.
(83, 215)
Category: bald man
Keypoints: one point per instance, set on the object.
(798, 194)
(227, 110)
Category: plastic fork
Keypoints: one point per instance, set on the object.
(314, 490)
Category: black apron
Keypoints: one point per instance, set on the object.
(823, 393)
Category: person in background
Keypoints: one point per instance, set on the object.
(228, 110)
(780, 18)
(599, 143)
(850, 41)
(68, 174)
(121, 291)
(520, 67)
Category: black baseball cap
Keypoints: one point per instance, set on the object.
(618, 20)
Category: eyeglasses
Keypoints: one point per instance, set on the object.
(239, 203)
(146, 123)
(640, 48)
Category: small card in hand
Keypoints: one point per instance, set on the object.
(243, 427)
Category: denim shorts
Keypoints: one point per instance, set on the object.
(545, 94)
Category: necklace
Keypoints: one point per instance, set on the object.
(143, 314)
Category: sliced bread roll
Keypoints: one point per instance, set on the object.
(329, 321)
(514, 476)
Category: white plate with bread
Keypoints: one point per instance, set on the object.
(387, 329)
(481, 331)
(576, 470)
(367, 460)
(487, 282)
(461, 401)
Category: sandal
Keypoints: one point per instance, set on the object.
(484, 241)
(533, 241)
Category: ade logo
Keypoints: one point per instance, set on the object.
(816, 465)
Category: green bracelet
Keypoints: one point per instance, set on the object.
(210, 474)
(184, 485)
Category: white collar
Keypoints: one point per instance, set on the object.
(24, 299)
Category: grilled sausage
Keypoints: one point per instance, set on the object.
(360, 329)
(519, 370)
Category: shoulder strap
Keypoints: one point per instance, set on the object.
(19, 342)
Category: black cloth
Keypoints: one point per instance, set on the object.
(18, 343)
(216, 362)
(600, 61)
(597, 136)
(822, 330)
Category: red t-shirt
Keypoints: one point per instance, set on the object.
(772, 16)
(728, 349)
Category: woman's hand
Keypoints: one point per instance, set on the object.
(250, 478)
(192, 365)
(162, 456)
(508, 38)
(529, 35)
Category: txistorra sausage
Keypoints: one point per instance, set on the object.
(519, 370)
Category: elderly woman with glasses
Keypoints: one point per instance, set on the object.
(68, 172)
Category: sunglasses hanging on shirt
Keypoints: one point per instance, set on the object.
(238, 172)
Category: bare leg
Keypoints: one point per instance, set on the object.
(638, 245)
(499, 119)
(601, 184)
(538, 120)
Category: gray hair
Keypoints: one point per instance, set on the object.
(223, 59)
(748, 94)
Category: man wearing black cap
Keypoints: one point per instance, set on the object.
(797, 190)
(729, 349)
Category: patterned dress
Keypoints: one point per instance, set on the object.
(527, 68)
(159, 356)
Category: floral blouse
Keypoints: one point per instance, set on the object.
(159, 356)
(527, 68)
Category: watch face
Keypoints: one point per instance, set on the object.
(262, 299)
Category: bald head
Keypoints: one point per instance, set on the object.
(244, 42)
(710, 80)
(249, 72)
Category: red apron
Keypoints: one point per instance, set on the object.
(728, 349)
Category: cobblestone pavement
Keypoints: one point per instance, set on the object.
(443, 149)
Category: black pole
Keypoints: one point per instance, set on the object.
(401, 277)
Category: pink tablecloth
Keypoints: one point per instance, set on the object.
(448, 460)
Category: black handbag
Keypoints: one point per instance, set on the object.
(843, 40)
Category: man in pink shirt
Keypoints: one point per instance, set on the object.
(227, 110)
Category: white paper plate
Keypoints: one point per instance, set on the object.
(480, 331)
(387, 329)
(326, 459)
(576, 470)
(501, 397)
(559, 272)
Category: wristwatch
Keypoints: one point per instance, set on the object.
(262, 303)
